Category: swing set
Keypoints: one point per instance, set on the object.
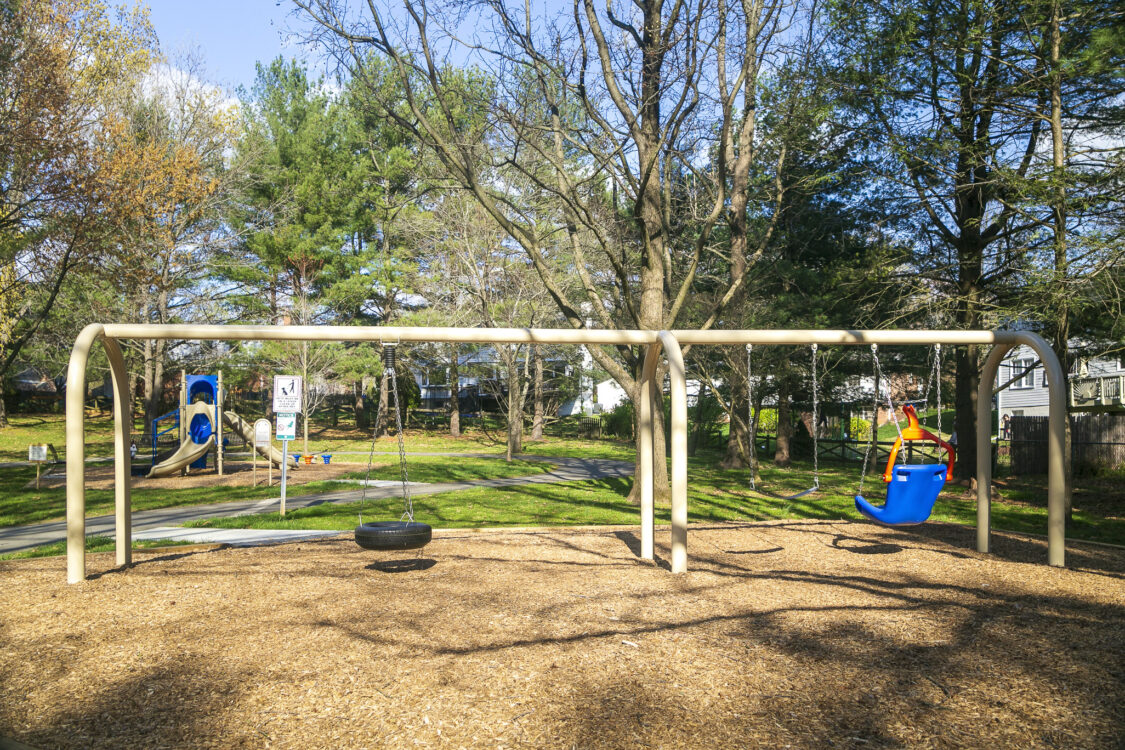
(912, 489)
(658, 345)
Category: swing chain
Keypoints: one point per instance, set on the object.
(937, 385)
(389, 366)
(751, 423)
(815, 424)
(874, 417)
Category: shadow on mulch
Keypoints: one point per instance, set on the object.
(402, 566)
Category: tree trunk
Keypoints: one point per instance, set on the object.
(515, 410)
(1061, 313)
(538, 416)
(965, 415)
(3, 409)
(661, 490)
(360, 413)
(454, 393)
(783, 455)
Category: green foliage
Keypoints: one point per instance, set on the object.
(620, 420)
(859, 429)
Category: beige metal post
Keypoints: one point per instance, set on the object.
(183, 426)
(1058, 478)
(679, 450)
(122, 460)
(76, 453)
(645, 425)
(1058, 487)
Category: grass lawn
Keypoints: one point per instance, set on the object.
(713, 495)
(93, 544)
(19, 505)
(453, 469)
(25, 429)
(417, 441)
(51, 428)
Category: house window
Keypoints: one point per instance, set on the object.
(1028, 378)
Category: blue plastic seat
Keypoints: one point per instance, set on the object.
(911, 495)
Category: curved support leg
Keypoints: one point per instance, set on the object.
(645, 423)
(76, 453)
(984, 445)
(122, 461)
(678, 375)
(1058, 475)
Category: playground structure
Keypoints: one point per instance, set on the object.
(200, 419)
(656, 341)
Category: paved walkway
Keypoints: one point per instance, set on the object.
(15, 538)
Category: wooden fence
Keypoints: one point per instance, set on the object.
(1097, 443)
(854, 451)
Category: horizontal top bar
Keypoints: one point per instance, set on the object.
(846, 337)
(380, 333)
(554, 335)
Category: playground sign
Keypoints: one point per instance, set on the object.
(286, 426)
(287, 393)
(37, 454)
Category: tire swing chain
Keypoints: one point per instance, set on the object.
(389, 366)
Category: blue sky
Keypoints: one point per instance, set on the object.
(231, 34)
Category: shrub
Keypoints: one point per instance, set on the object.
(859, 429)
(618, 422)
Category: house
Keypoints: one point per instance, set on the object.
(1095, 385)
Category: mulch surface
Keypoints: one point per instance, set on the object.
(801, 633)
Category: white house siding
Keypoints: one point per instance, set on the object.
(1029, 397)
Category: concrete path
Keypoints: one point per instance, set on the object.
(233, 537)
(15, 538)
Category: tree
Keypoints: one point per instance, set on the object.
(939, 88)
(62, 65)
(167, 184)
(296, 220)
(584, 142)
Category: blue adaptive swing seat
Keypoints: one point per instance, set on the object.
(912, 489)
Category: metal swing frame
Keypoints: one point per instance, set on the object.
(657, 342)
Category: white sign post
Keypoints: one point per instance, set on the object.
(37, 454)
(286, 405)
(286, 431)
(262, 440)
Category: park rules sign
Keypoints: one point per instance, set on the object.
(287, 394)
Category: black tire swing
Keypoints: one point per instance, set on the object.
(405, 533)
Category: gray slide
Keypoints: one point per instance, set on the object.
(187, 453)
(246, 430)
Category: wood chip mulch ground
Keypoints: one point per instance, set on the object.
(802, 633)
